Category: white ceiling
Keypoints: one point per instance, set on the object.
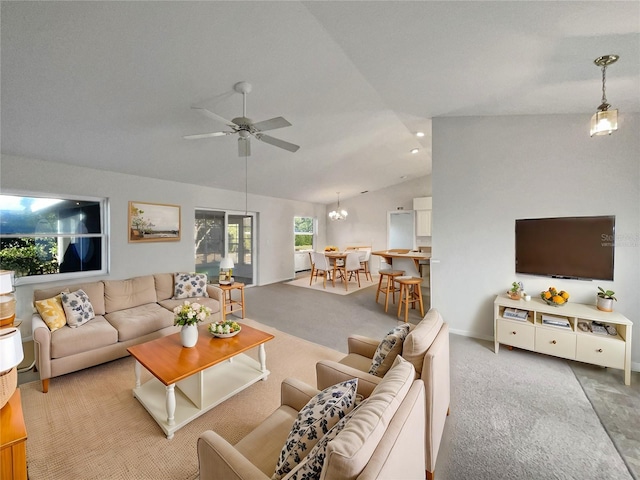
(109, 85)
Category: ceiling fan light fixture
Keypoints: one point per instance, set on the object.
(604, 121)
(338, 214)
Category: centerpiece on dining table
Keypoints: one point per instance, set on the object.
(330, 248)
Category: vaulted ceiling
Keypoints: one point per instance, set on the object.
(109, 85)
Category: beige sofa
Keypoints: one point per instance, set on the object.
(383, 439)
(427, 348)
(127, 312)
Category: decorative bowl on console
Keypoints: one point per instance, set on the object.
(554, 297)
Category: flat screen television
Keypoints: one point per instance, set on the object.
(566, 247)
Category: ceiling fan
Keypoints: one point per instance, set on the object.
(245, 127)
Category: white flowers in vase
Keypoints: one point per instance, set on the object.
(190, 313)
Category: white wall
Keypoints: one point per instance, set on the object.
(275, 218)
(488, 171)
(366, 223)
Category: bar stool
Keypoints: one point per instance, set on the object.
(389, 287)
(410, 293)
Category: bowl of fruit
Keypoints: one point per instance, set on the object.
(555, 298)
(225, 329)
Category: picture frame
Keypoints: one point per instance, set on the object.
(154, 222)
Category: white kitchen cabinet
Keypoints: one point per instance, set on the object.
(422, 207)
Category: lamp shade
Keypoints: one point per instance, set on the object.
(6, 281)
(604, 122)
(11, 353)
(226, 263)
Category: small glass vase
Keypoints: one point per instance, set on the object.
(189, 335)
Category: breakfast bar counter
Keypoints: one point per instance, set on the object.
(409, 262)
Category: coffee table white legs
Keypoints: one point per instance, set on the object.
(262, 355)
(138, 369)
(171, 407)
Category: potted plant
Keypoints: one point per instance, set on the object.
(187, 316)
(604, 300)
(515, 292)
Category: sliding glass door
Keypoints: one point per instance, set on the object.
(222, 233)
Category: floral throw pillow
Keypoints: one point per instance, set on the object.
(52, 312)
(77, 308)
(189, 285)
(314, 420)
(389, 348)
(311, 467)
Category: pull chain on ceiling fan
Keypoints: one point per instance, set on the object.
(245, 128)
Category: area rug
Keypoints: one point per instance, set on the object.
(339, 289)
(89, 426)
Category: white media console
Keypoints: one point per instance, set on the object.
(567, 342)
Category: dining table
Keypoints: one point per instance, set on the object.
(335, 258)
(409, 261)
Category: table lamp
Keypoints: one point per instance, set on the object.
(10, 357)
(7, 300)
(226, 268)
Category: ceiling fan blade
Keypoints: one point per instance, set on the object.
(244, 147)
(277, 142)
(206, 135)
(271, 124)
(214, 116)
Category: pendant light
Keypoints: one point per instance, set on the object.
(338, 214)
(604, 121)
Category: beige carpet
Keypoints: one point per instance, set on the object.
(89, 426)
(339, 289)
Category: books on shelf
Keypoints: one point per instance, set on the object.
(515, 314)
(555, 321)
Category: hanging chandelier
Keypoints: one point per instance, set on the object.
(604, 121)
(338, 214)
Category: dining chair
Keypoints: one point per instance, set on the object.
(351, 267)
(365, 255)
(320, 264)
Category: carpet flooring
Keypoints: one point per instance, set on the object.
(513, 415)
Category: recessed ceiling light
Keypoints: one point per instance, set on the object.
(419, 134)
(415, 150)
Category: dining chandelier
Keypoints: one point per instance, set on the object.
(338, 214)
(604, 121)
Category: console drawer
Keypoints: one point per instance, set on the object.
(516, 334)
(556, 342)
(608, 352)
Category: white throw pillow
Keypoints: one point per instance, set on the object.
(77, 308)
(314, 420)
(187, 285)
(388, 349)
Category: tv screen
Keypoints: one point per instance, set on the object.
(566, 247)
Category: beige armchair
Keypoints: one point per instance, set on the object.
(377, 442)
(427, 348)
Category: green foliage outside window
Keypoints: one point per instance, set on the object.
(303, 233)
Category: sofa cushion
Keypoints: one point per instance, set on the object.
(314, 420)
(95, 291)
(420, 339)
(164, 285)
(351, 450)
(96, 333)
(190, 285)
(212, 303)
(77, 308)
(52, 312)
(138, 321)
(389, 348)
(133, 292)
(311, 467)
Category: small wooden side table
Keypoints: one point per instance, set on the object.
(229, 305)
(13, 440)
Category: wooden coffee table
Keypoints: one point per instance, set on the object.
(190, 381)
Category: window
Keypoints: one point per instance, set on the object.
(47, 238)
(303, 229)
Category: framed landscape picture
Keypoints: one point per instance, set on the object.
(153, 222)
